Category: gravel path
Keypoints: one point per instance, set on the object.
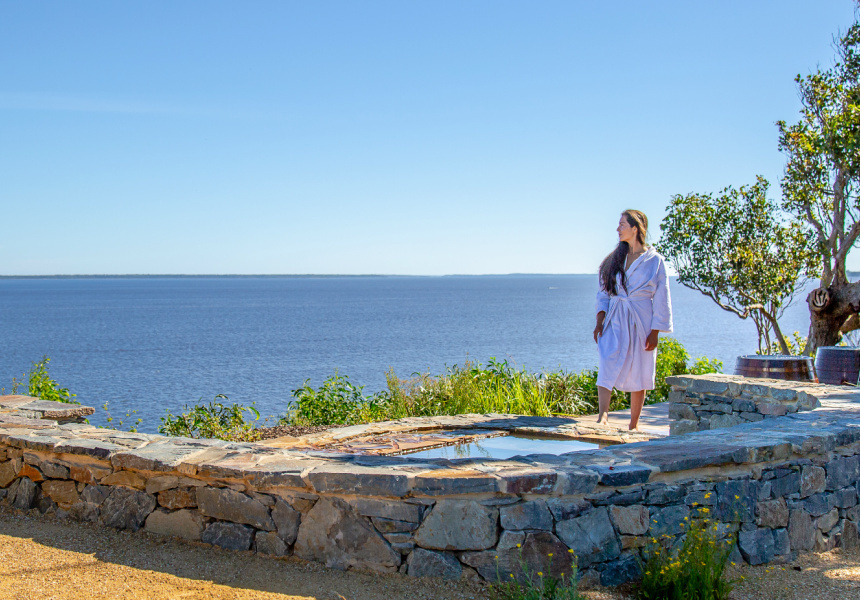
(42, 558)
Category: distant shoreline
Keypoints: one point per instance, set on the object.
(282, 276)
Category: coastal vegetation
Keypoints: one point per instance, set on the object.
(693, 571)
(497, 387)
(750, 254)
(38, 383)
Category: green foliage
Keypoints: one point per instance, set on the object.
(822, 172)
(40, 384)
(739, 248)
(537, 586)
(215, 420)
(672, 359)
(795, 345)
(120, 424)
(337, 402)
(497, 387)
(695, 571)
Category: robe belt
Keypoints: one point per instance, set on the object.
(617, 302)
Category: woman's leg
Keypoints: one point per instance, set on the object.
(603, 397)
(637, 399)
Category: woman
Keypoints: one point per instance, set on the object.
(633, 307)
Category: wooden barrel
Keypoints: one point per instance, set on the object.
(838, 365)
(776, 366)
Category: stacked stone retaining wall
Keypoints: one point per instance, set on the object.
(780, 486)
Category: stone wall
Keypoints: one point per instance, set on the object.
(702, 402)
(781, 486)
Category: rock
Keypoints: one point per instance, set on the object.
(268, 542)
(9, 471)
(670, 520)
(682, 427)
(352, 479)
(681, 411)
(126, 508)
(84, 511)
(591, 537)
(801, 530)
(743, 405)
(391, 526)
(563, 509)
(186, 524)
(511, 539)
(54, 470)
(64, 493)
(845, 498)
(772, 513)
(95, 494)
(332, 533)
(850, 535)
(396, 510)
(25, 494)
(228, 505)
(541, 551)
(32, 473)
(459, 525)
(428, 563)
(88, 473)
(230, 536)
(448, 482)
(533, 515)
(620, 571)
(722, 421)
(812, 480)
(665, 494)
(736, 500)
(45, 504)
(818, 504)
(783, 486)
(126, 478)
(827, 521)
(756, 546)
(781, 542)
(184, 497)
(161, 483)
(630, 520)
(842, 472)
(286, 520)
(528, 481)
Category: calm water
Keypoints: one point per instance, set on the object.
(159, 343)
(505, 447)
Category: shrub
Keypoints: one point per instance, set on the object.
(40, 384)
(337, 402)
(215, 420)
(695, 571)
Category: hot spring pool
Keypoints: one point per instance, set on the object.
(505, 446)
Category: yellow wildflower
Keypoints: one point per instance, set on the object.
(570, 551)
(737, 497)
(550, 554)
(540, 573)
(519, 545)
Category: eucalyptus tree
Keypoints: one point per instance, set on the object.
(738, 248)
(821, 185)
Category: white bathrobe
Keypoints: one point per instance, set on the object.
(630, 316)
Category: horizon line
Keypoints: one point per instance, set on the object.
(294, 275)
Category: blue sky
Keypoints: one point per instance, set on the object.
(380, 137)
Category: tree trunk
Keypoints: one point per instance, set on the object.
(826, 321)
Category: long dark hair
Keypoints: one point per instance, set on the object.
(614, 263)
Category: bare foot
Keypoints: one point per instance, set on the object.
(604, 420)
(632, 428)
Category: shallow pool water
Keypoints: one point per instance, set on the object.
(505, 447)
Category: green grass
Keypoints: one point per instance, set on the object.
(474, 388)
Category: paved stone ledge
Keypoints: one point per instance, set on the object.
(714, 401)
(779, 485)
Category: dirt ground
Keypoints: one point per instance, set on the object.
(42, 558)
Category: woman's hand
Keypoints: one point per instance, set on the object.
(598, 329)
(651, 340)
